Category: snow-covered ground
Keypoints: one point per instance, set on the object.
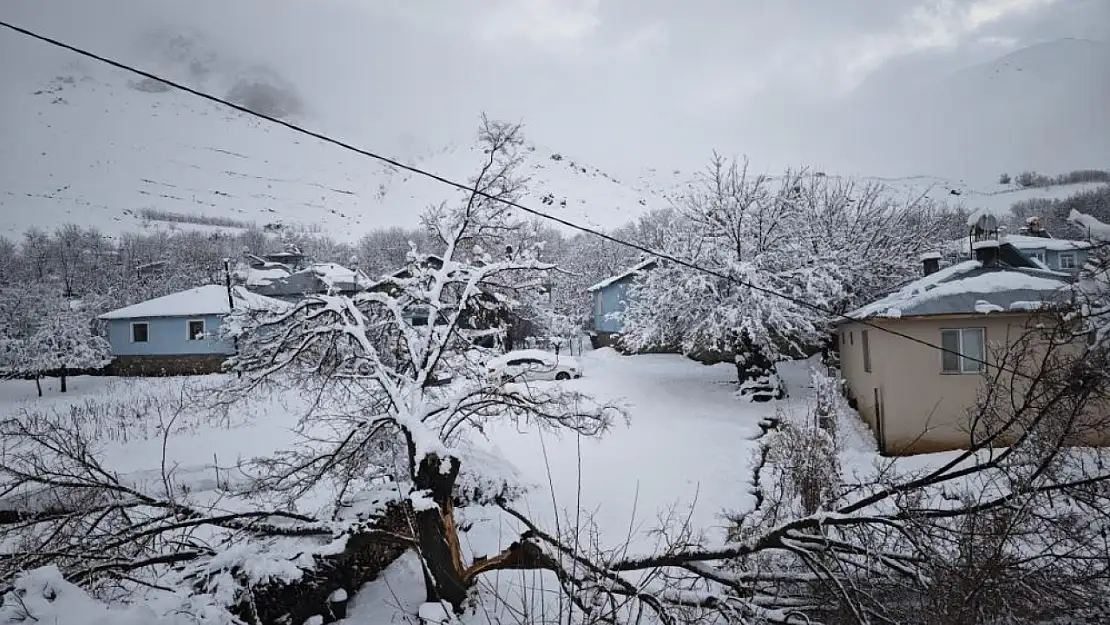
(686, 450)
(687, 442)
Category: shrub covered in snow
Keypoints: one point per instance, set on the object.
(43, 596)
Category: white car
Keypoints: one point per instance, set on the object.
(529, 365)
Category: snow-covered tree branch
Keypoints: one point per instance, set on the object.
(786, 253)
(400, 390)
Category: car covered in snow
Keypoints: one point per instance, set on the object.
(529, 365)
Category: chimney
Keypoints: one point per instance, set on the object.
(986, 252)
(930, 262)
(1036, 228)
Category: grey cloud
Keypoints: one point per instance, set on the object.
(626, 83)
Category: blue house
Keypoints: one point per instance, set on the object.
(1057, 254)
(177, 334)
(1064, 255)
(610, 297)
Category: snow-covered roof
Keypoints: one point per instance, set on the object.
(263, 276)
(640, 266)
(203, 300)
(1024, 242)
(335, 275)
(967, 288)
(316, 278)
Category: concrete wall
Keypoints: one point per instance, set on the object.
(167, 336)
(921, 408)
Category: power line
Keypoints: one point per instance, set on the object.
(463, 187)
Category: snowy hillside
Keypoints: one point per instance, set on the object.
(1042, 107)
(984, 195)
(94, 146)
(88, 144)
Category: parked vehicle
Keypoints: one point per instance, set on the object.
(529, 365)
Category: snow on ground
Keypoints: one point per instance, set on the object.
(688, 440)
(686, 450)
(202, 447)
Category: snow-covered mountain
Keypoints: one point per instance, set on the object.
(88, 144)
(93, 145)
(1045, 107)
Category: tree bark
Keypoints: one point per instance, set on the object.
(436, 533)
(38, 385)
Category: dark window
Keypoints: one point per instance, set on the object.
(964, 350)
(865, 340)
(196, 329)
(139, 332)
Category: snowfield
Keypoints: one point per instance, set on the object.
(684, 454)
(89, 145)
(83, 144)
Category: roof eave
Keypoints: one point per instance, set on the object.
(952, 315)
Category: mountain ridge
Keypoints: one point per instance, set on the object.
(97, 147)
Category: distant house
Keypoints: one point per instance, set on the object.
(1057, 254)
(915, 397)
(276, 280)
(1035, 242)
(177, 334)
(610, 298)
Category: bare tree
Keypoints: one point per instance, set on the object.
(401, 388)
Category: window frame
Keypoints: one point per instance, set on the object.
(146, 337)
(1040, 255)
(865, 342)
(1072, 255)
(978, 360)
(189, 336)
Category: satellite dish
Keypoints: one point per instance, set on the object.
(986, 224)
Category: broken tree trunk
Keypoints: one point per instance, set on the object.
(436, 533)
(324, 590)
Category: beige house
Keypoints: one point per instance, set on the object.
(917, 398)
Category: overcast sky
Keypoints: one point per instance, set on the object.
(623, 82)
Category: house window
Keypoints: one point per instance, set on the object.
(1037, 254)
(140, 331)
(1067, 260)
(865, 340)
(196, 329)
(964, 350)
